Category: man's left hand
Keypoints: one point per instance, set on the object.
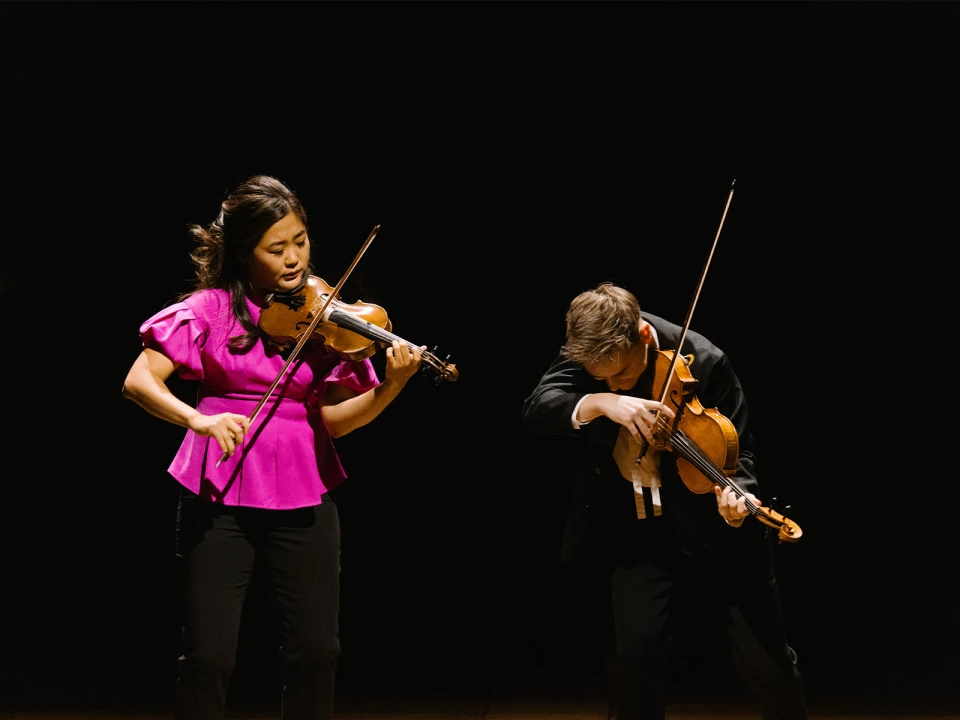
(732, 506)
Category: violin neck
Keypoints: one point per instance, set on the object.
(366, 329)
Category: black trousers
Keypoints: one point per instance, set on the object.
(647, 592)
(219, 547)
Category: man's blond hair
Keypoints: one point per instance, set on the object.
(601, 324)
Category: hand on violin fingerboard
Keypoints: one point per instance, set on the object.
(402, 362)
(733, 506)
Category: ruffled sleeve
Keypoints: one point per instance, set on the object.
(176, 332)
(359, 376)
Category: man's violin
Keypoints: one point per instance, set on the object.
(705, 442)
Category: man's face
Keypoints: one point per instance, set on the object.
(623, 372)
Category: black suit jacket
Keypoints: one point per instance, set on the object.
(602, 523)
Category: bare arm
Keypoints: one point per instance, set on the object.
(343, 410)
(146, 385)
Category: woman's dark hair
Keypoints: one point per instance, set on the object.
(224, 246)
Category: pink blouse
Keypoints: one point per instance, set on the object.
(287, 460)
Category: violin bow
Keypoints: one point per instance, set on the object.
(686, 322)
(309, 331)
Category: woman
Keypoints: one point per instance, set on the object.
(269, 500)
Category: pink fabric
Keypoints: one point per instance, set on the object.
(287, 460)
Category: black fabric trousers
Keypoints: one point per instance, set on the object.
(219, 547)
(646, 594)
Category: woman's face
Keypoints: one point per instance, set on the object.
(281, 257)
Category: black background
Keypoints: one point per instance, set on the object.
(514, 155)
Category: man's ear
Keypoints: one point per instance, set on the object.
(646, 334)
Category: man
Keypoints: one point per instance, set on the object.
(639, 519)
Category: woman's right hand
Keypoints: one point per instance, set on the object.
(228, 429)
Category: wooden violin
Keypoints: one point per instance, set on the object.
(353, 331)
(705, 443)
(315, 311)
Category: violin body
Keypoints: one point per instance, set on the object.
(704, 442)
(715, 434)
(288, 317)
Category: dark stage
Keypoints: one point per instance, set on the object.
(514, 154)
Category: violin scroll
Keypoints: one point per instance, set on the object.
(445, 370)
(787, 530)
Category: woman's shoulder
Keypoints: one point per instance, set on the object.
(208, 304)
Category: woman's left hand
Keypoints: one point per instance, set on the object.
(402, 362)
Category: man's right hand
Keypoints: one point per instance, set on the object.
(636, 414)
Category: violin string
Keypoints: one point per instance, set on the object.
(693, 454)
(710, 470)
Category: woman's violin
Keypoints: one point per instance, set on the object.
(705, 443)
(315, 311)
(353, 331)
